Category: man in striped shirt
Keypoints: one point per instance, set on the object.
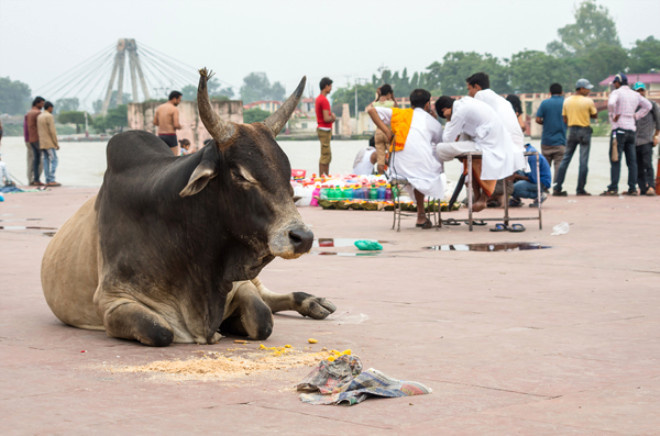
(625, 107)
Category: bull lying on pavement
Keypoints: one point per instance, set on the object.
(170, 248)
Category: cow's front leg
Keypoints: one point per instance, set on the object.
(246, 314)
(128, 319)
(302, 302)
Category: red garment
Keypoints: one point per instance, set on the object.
(321, 104)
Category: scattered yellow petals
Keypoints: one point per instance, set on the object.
(312, 340)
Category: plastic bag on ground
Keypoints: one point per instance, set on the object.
(343, 382)
(560, 229)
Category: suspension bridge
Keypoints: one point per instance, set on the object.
(101, 79)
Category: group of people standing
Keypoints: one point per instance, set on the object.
(41, 142)
(635, 123)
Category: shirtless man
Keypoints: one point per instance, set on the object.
(166, 117)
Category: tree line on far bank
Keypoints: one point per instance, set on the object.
(590, 48)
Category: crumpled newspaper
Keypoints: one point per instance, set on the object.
(343, 381)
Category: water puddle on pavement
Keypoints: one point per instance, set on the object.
(47, 231)
(321, 247)
(500, 246)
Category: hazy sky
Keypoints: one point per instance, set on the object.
(342, 39)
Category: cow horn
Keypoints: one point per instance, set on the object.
(276, 121)
(220, 130)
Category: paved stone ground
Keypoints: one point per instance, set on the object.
(542, 342)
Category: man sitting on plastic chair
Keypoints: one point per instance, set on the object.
(415, 132)
(481, 131)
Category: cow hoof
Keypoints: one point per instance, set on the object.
(313, 307)
(156, 336)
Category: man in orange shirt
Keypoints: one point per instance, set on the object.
(166, 117)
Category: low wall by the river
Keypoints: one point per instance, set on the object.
(141, 117)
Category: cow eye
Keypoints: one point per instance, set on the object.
(241, 175)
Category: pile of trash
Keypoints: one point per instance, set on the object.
(340, 380)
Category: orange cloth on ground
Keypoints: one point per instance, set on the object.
(488, 186)
(400, 125)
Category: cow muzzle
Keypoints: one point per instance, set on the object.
(292, 241)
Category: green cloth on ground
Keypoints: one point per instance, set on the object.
(364, 244)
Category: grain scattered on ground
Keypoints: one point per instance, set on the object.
(212, 365)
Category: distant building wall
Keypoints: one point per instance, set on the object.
(141, 117)
(265, 105)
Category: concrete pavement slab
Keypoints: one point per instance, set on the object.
(560, 340)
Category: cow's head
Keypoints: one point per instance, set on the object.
(252, 176)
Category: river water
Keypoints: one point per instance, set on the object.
(82, 164)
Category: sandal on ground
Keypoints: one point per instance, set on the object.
(476, 222)
(450, 222)
(609, 193)
(517, 228)
(425, 225)
(499, 227)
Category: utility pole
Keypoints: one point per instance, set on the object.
(357, 111)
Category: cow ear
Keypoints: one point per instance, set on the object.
(204, 172)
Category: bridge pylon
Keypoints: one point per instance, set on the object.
(126, 47)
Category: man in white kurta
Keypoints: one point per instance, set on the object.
(474, 119)
(416, 162)
(478, 86)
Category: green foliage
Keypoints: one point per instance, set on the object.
(98, 104)
(645, 56)
(402, 84)
(255, 115)
(593, 27)
(14, 96)
(601, 62)
(534, 71)
(589, 47)
(256, 86)
(457, 66)
(66, 104)
(189, 93)
(216, 91)
(73, 117)
(116, 119)
(365, 94)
